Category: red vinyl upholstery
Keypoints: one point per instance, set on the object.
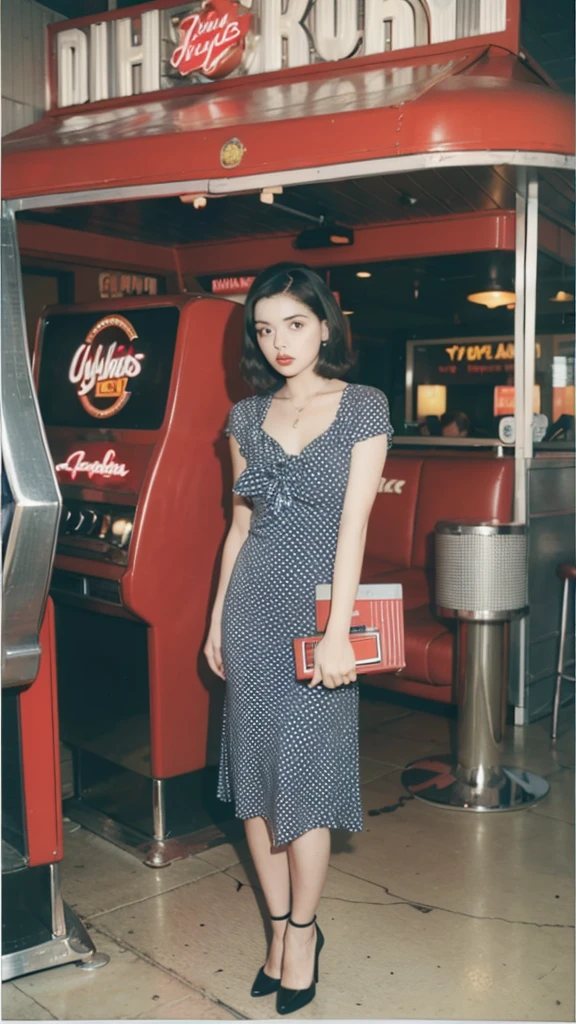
(418, 492)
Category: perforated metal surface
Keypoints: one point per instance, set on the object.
(481, 572)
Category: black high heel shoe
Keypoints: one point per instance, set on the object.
(264, 985)
(291, 999)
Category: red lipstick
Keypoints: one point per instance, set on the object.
(284, 360)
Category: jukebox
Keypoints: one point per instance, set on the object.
(135, 439)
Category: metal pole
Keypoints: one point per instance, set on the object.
(482, 698)
(159, 808)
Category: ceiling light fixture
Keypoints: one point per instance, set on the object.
(562, 296)
(198, 200)
(497, 290)
(348, 312)
(267, 194)
(493, 299)
(324, 236)
(363, 273)
(340, 235)
(326, 233)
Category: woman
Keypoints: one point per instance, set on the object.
(307, 452)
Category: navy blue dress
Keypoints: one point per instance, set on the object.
(290, 753)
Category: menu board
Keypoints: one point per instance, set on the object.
(465, 362)
(107, 369)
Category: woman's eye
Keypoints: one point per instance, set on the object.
(297, 323)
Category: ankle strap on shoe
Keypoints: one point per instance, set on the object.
(284, 917)
(307, 925)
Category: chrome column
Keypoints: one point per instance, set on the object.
(33, 532)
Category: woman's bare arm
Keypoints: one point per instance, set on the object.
(334, 656)
(241, 516)
(239, 527)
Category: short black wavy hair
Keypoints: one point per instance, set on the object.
(336, 356)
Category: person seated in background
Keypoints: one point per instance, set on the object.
(455, 424)
(430, 427)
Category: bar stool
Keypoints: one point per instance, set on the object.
(567, 573)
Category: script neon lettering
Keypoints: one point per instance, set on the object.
(198, 54)
(86, 370)
(76, 463)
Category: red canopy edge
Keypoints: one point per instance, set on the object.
(475, 99)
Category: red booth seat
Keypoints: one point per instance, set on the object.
(417, 492)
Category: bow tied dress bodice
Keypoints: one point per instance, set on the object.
(289, 752)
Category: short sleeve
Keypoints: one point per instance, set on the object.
(236, 425)
(372, 415)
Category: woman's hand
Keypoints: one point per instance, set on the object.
(334, 662)
(213, 648)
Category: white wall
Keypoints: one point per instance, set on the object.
(23, 37)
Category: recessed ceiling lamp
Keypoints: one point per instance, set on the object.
(348, 312)
(363, 273)
(497, 293)
(562, 296)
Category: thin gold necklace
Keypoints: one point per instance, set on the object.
(300, 408)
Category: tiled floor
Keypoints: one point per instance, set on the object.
(429, 913)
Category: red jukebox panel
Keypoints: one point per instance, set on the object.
(134, 399)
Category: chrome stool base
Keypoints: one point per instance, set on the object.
(439, 779)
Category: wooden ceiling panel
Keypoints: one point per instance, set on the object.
(366, 201)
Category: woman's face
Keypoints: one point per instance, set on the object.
(288, 333)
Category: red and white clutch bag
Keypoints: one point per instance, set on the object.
(377, 629)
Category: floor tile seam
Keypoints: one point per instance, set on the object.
(551, 817)
(428, 907)
(151, 896)
(182, 999)
(169, 971)
(336, 899)
(44, 1009)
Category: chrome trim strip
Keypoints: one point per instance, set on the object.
(32, 538)
(506, 616)
(301, 176)
(530, 306)
(484, 529)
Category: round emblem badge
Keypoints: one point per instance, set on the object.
(231, 153)
(103, 366)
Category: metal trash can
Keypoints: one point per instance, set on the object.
(481, 581)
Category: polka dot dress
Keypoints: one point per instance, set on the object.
(290, 753)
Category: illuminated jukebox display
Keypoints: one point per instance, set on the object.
(136, 441)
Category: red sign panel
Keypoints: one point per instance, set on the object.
(504, 401)
(101, 465)
(212, 40)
